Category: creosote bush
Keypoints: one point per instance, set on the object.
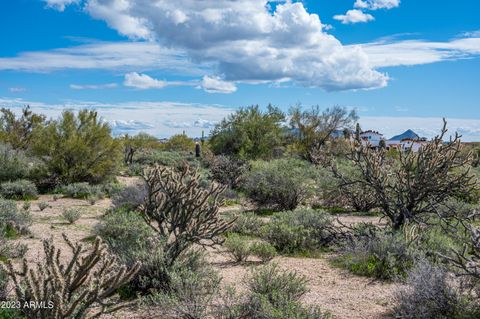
(82, 191)
(272, 294)
(263, 250)
(78, 288)
(237, 247)
(12, 218)
(192, 291)
(384, 256)
(430, 294)
(15, 165)
(43, 205)
(281, 184)
(71, 215)
(19, 190)
(301, 230)
(228, 170)
(247, 223)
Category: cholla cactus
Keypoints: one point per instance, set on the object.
(78, 288)
(180, 211)
(413, 187)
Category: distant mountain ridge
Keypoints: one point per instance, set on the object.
(407, 134)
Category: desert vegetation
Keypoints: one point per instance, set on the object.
(276, 219)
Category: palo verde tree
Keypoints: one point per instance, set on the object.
(18, 132)
(249, 133)
(77, 148)
(414, 187)
(315, 127)
(180, 211)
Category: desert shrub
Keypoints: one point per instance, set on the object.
(11, 249)
(3, 285)
(12, 218)
(272, 294)
(15, 165)
(43, 205)
(77, 148)
(280, 184)
(191, 292)
(263, 250)
(247, 223)
(82, 190)
(386, 256)
(237, 247)
(26, 205)
(249, 133)
(335, 193)
(228, 170)
(300, 230)
(130, 197)
(21, 189)
(71, 215)
(179, 143)
(429, 294)
(132, 240)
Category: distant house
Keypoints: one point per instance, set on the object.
(406, 140)
(371, 138)
(413, 144)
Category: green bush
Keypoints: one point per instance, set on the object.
(13, 219)
(430, 294)
(263, 250)
(272, 294)
(15, 165)
(130, 197)
(43, 205)
(191, 292)
(71, 215)
(386, 256)
(19, 190)
(82, 190)
(238, 247)
(281, 184)
(247, 224)
(228, 170)
(249, 133)
(77, 148)
(299, 231)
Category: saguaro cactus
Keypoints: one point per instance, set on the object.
(77, 289)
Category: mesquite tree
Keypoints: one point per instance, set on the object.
(78, 288)
(180, 211)
(418, 183)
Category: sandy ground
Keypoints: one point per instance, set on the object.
(335, 290)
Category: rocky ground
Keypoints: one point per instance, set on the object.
(334, 290)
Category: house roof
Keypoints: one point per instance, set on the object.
(408, 134)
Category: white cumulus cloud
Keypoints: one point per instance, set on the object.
(60, 4)
(143, 81)
(376, 4)
(216, 85)
(245, 40)
(354, 16)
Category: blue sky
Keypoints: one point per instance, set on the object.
(183, 65)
